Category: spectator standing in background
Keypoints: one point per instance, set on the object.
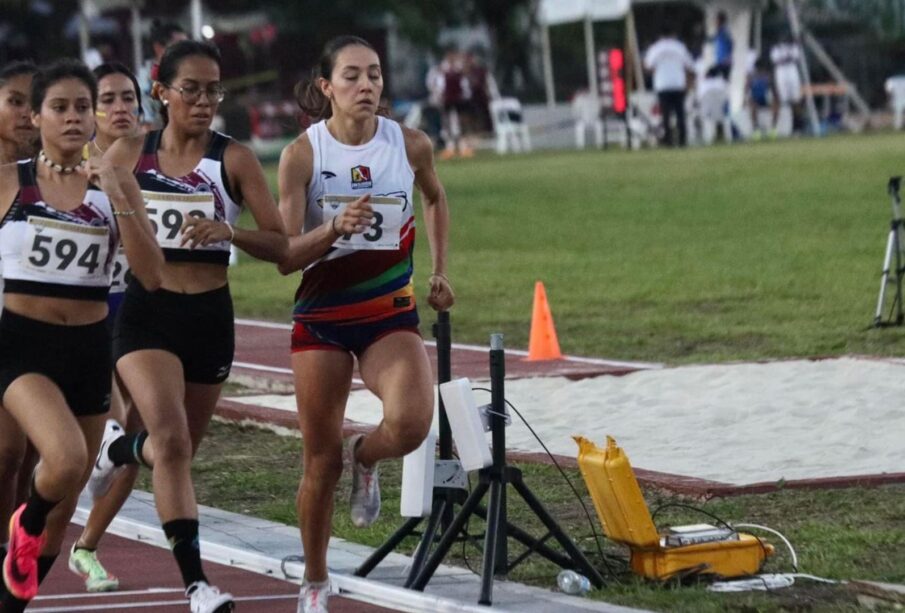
(762, 98)
(785, 56)
(163, 34)
(433, 110)
(722, 42)
(483, 89)
(670, 62)
(456, 96)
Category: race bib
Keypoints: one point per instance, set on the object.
(384, 231)
(66, 250)
(120, 268)
(168, 212)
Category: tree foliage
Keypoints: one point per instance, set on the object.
(885, 17)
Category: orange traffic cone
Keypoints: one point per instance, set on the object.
(543, 344)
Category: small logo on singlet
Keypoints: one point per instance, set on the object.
(361, 177)
(328, 174)
(401, 302)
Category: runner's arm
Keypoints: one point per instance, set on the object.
(420, 151)
(296, 168)
(142, 251)
(268, 242)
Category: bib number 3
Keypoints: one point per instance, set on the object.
(386, 225)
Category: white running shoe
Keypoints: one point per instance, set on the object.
(365, 499)
(104, 470)
(204, 598)
(313, 597)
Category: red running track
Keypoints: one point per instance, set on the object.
(262, 350)
(150, 581)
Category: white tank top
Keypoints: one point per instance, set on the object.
(48, 252)
(204, 192)
(361, 274)
(380, 167)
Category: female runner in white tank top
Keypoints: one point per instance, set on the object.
(17, 141)
(58, 235)
(346, 198)
(174, 347)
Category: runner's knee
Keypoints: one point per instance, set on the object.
(407, 433)
(323, 468)
(172, 446)
(67, 464)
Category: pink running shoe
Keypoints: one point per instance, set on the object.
(20, 568)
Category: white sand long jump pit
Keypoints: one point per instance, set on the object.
(735, 424)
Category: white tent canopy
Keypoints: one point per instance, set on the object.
(740, 15)
(567, 11)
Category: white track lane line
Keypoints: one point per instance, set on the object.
(150, 590)
(465, 347)
(158, 603)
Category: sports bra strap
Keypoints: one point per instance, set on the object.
(217, 146)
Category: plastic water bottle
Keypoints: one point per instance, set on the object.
(570, 582)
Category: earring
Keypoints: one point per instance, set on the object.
(166, 102)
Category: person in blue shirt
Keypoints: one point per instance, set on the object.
(722, 42)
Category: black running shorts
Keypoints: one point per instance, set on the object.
(196, 328)
(76, 358)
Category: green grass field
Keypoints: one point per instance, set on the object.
(745, 252)
(713, 254)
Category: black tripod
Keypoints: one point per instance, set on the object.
(495, 478)
(444, 497)
(893, 253)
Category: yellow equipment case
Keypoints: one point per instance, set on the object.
(626, 519)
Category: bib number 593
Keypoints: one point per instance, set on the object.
(169, 222)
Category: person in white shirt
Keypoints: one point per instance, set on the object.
(785, 55)
(670, 62)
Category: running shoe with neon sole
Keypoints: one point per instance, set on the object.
(313, 597)
(204, 598)
(364, 501)
(20, 567)
(104, 471)
(85, 564)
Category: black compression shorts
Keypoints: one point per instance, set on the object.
(196, 328)
(76, 358)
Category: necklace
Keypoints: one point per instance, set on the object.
(98, 147)
(58, 167)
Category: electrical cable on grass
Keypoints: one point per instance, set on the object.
(777, 533)
(603, 557)
(286, 560)
(766, 582)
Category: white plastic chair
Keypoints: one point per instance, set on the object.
(895, 87)
(586, 112)
(509, 125)
(643, 121)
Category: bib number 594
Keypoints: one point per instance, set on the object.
(66, 251)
